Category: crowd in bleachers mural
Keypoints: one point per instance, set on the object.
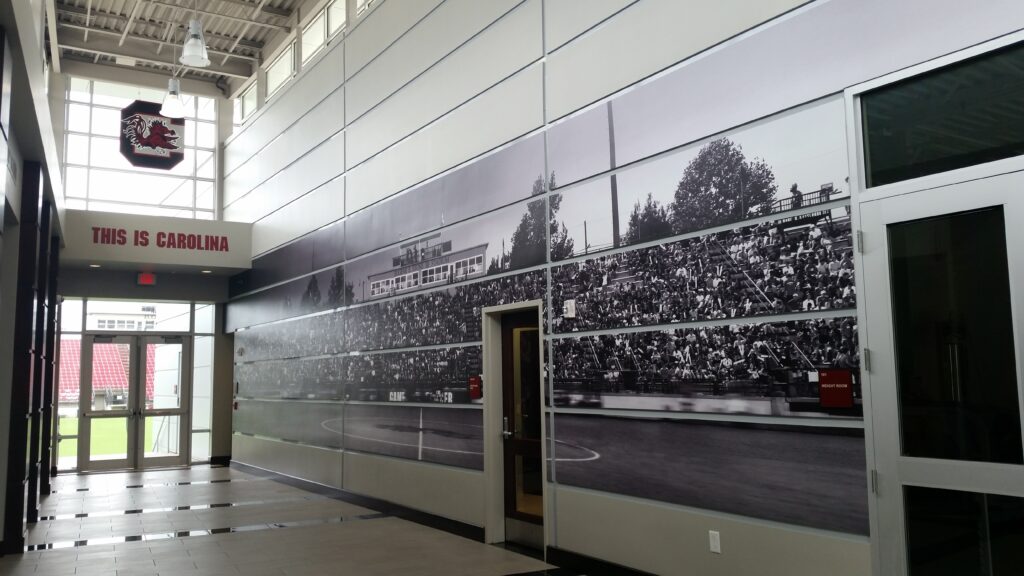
(438, 375)
(790, 265)
(447, 316)
(753, 362)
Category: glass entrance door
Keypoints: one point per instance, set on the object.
(944, 275)
(134, 402)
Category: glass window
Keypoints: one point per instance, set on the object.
(280, 71)
(965, 114)
(205, 314)
(314, 36)
(954, 533)
(98, 177)
(956, 372)
(362, 5)
(245, 105)
(336, 16)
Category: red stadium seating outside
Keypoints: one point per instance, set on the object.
(110, 369)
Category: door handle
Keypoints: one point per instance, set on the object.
(506, 433)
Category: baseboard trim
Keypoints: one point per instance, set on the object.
(455, 527)
(220, 460)
(589, 565)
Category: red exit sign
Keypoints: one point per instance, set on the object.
(146, 279)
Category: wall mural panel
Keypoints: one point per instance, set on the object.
(807, 476)
(768, 369)
(686, 273)
(798, 264)
(296, 379)
(795, 161)
(453, 437)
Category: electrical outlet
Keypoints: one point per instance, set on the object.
(715, 541)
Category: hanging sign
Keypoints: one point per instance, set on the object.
(149, 139)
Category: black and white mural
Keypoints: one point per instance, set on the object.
(713, 277)
(799, 264)
(769, 369)
(793, 162)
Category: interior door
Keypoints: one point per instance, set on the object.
(106, 403)
(163, 400)
(521, 428)
(943, 280)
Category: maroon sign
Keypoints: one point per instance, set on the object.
(476, 390)
(149, 139)
(835, 388)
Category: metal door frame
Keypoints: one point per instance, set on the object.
(135, 412)
(874, 309)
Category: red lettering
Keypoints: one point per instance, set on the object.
(161, 239)
(181, 241)
(96, 234)
(191, 242)
(143, 238)
(122, 236)
(223, 243)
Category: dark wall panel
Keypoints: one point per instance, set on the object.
(453, 437)
(806, 476)
(300, 379)
(306, 422)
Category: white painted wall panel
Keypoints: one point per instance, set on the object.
(819, 51)
(643, 39)
(673, 540)
(449, 492)
(382, 26)
(499, 115)
(565, 19)
(312, 170)
(320, 207)
(286, 107)
(322, 122)
(451, 24)
(509, 45)
(319, 465)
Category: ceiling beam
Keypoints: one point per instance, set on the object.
(109, 49)
(88, 12)
(245, 29)
(284, 29)
(131, 20)
(76, 11)
(269, 10)
(51, 25)
(153, 40)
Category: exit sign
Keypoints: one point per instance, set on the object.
(146, 279)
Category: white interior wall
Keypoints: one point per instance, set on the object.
(419, 87)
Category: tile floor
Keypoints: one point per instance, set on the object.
(209, 521)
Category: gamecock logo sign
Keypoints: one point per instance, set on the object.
(150, 140)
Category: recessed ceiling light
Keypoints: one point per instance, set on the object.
(94, 265)
(207, 271)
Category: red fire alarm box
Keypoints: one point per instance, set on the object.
(835, 388)
(476, 390)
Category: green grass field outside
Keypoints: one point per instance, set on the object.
(109, 436)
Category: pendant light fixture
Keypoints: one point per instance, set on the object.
(194, 53)
(173, 107)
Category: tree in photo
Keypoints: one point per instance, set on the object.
(529, 241)
(720, 186)
(311, 297)
(562, 245)
(649, 221)
(339, 293)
